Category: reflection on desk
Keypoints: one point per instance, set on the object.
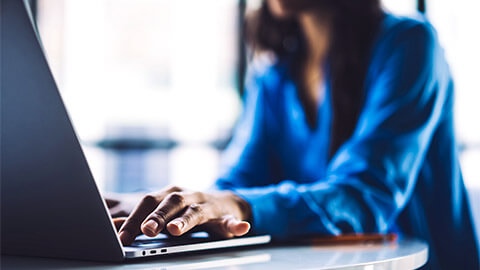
(403, 254)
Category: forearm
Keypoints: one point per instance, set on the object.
(288, 210)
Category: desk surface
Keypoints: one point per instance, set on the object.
(403, 254)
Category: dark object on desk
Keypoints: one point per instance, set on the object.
(50, 203)
(355, 238)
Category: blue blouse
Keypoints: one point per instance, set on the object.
(399, 171)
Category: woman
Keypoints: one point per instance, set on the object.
(349, 129)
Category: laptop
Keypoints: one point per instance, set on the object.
(50, 203)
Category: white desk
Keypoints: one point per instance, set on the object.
(403, 254)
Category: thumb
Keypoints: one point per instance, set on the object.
(235, 226)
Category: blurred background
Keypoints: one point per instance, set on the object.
(154, 86)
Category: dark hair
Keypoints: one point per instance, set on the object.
(355, 25)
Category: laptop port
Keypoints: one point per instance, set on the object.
(163, 250)
(153, 252)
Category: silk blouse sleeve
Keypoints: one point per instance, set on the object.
(371, 177)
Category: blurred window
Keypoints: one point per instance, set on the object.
(400, 7)
(145, 72)
(164, 69)
(457, 23)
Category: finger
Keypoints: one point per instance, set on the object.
(168, 209)
(131, 227)
(111, 202)
(235, 226)
(196, 214)
(216, 229)
(227, 227)
(118, 222)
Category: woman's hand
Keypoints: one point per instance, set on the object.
(176, 211)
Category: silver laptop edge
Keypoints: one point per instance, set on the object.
(133, 252)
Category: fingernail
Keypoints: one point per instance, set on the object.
(151, 226)
(246, 224)
(179, 224)
(239, 228)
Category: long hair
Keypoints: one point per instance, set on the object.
(355, 25)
